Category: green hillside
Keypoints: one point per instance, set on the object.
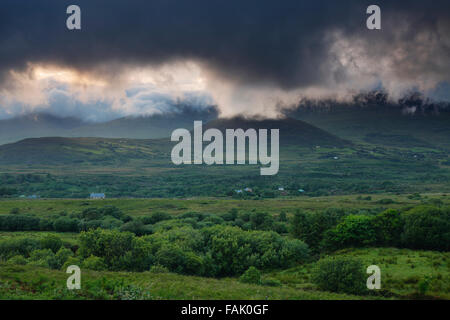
(311, 159)
(382, 125)
(66, 151)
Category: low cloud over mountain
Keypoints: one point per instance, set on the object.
(251, 57)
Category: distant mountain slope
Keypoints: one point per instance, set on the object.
(145, 127)
(292, 132)
(388, 126)
(142, 127)
(59, 150)
(35, 125)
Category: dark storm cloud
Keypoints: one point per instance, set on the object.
(277, 42)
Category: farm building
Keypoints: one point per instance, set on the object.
(97, 196)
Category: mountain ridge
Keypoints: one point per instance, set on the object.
(66, 150)
(39, 125)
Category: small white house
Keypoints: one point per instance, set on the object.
(248, 189)
(97, 196)
(280, 189)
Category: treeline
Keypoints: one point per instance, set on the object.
(422, 227)
(110, 217)
(318, 178)
(107, 217)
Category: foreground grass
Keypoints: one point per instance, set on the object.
(402, 271)
(27, 282)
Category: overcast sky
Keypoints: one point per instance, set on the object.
(246, 56)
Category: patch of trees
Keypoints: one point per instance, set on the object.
(423, 227)
(340, 274)
(211, 251)
(215, 251)
(50, 251)
(5, 191)
(110, 217)
(18, 222)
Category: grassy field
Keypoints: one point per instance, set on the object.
(143, 169)
(403, 271)
(136, 207)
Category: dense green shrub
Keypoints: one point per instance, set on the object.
(166, 225)
(261, 221)
(187, 238)
(111, 223)
(18, 222)
(65, 224)
(20, 260)
(86, 225)
(114, 212)
(137, 227)
(155, 217)
(212, 220)
(310, 227)
(18, 246)
(120, 250)
(389, 227)
(215, 251)
(100, 213)
(94, 263)
(61, 257)
(71, 261)
(42, 258)
(172, 257)
(45, 224)
(252, 275)
(157, 268)
(282, 217)
(420, 228)
(280, 227)
(7, 191)
(230, 215)
(51, 242)
(353, 231)
(231, 251)
(244, 216)
(427, 228)
(177, 260)
(91, 214)
(340, 274)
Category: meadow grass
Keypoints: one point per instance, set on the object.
(137, 207)
(399, 280)
(403, 270)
